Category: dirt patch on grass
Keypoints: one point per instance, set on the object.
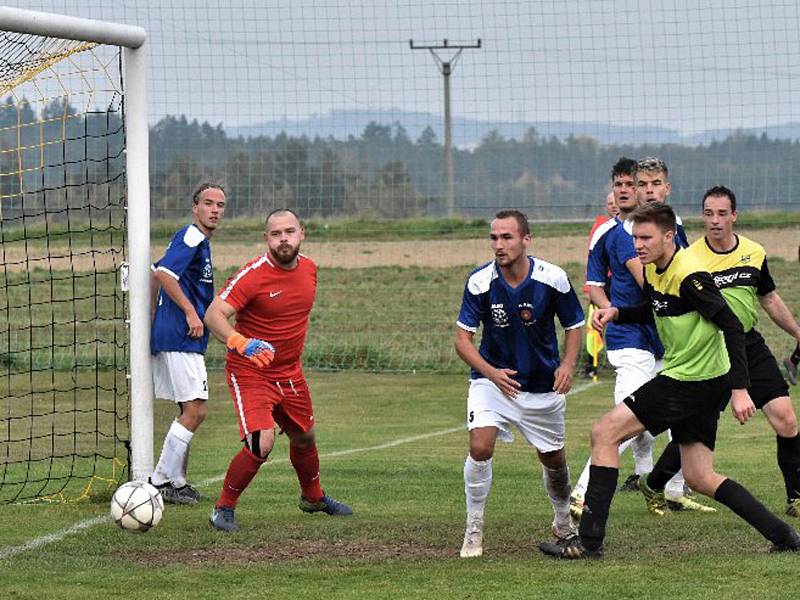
(778, 242)
(296, 550)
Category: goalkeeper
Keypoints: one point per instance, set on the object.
(271, 297)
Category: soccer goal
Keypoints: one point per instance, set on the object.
(75, 388)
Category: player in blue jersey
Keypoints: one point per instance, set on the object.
(183, 286)
(633, 349)
(516, 375)
(652, 185)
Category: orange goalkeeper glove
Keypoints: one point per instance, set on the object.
(257, 351)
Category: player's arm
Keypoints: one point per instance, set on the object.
(466, 350)
(597, 296)
(173, 289)
(563, 374)
(597, 265)
(780, 314)
(217, 320)
(701, 292)
(636, 269)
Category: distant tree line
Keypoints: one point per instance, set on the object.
(385, 173)
(381, 173)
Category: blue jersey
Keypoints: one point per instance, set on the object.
(518, 323)
(610, 248)
(680, 233)
(187, 259)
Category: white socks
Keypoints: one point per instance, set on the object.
(642, 447)
(674, 487)
(556, 483)
(477, 482)
(173, 457)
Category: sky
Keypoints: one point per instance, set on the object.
(684, 65)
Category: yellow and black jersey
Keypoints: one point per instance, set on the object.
(741, 274)
(694, 349)
(702, 336)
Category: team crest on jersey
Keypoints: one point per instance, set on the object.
(745, 258)
(208, 272)
(499, 315)
(526, 313)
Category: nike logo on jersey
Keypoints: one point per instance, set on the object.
(273, 294)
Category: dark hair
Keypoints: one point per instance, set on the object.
(624, 166)
(720, 190)
(656, 212)
(652, 164)
(520, 217)
(207, 185)
(281, 210)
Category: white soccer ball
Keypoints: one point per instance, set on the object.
(137, 506)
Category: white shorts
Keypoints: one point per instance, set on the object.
(539, 417)
(180, 376)
(634, 367)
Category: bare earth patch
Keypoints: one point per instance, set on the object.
(294, 550)
(778, 242)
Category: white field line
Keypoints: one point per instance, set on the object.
(57, 536)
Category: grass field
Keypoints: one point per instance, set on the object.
(401, 447)
(393, 445)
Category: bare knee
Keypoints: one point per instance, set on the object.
(481, 442)
(702, 481)
(193, 414)
(260, 442)
(602, 435)
(782, 417)
(553, 460)
(481, 451)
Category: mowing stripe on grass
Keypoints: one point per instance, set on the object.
(392, 444)
(57, 536)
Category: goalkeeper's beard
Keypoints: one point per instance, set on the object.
(285, 254)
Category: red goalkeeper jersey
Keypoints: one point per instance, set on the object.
(273, 304)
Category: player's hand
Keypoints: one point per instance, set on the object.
(502, 378)
(195, 325)
(602, 316)
(563, 379)
(257, 351)
(742, 405)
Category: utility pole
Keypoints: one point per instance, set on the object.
(446, 69)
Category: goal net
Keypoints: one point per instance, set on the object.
(64, 418)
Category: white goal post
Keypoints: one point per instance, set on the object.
(132, 40)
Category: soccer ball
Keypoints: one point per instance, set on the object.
(136, 506)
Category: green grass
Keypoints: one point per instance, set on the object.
(378, 318)
(403, 540)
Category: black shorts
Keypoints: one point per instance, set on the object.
(689, 408)
(766, 379)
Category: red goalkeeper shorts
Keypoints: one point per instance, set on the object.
(261, 402)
